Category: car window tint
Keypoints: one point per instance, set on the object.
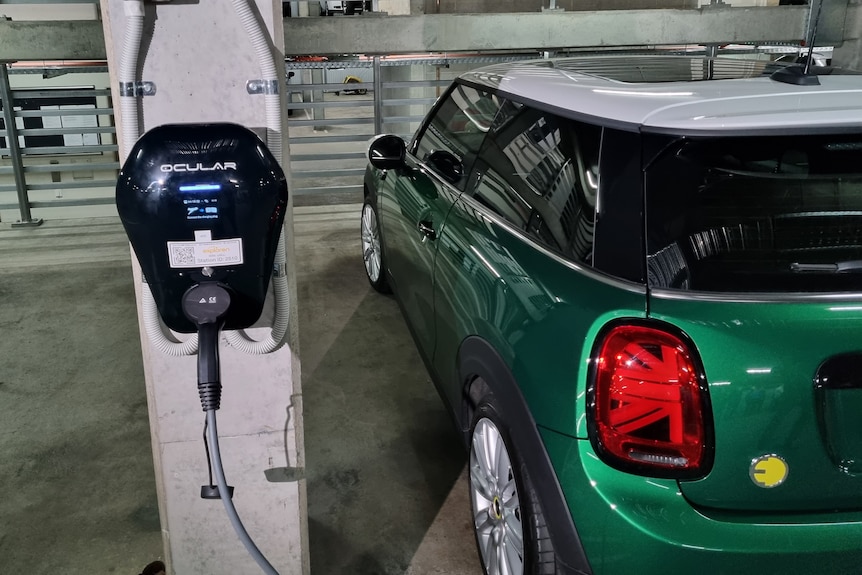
(756, 214)
(458, 127)
(540, 172)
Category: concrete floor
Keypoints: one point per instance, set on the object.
(386, 488)
(383, 458)
(76, 469)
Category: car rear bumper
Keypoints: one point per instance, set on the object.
(631, 524)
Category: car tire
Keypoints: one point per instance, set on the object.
(504, 503)
(372, 248)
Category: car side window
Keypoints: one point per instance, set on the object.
(539, 171)
(452, 137)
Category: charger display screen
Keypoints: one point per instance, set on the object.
(201, 200)
(200, 188)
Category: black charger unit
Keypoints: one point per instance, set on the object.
(203, 203)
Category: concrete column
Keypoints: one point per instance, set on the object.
(848, 54)
(200, 58)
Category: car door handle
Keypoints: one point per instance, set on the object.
(427, 228)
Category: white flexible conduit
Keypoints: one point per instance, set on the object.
(156, 331)
(134, 12)
(269, 75)
(134, 20)
(239, 340)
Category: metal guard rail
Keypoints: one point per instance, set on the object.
(334, 107)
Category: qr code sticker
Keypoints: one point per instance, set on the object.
(184, 255)
(226, 252)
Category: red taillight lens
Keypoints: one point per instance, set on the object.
(649, 406)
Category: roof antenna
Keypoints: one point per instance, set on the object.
(798, 75)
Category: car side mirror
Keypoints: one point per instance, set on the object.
(387, 152)
(447, 164)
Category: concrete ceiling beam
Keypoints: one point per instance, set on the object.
(549, 30)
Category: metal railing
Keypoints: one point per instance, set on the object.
(57, 142)
(58, 146)
(336, 106)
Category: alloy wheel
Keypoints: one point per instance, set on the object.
(495, 502)
(370, 233)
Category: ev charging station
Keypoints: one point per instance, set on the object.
(204, 199)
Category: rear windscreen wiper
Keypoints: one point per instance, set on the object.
(834, 268)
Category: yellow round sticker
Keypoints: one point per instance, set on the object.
(768, 471)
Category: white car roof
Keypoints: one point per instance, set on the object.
(680, 93)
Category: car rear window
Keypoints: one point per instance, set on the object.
(539, 171)
(756, 214)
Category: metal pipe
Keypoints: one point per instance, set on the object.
(378, 96)
(15, 149)
(318, 76)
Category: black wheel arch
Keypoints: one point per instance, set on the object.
(482, 370)
(369, 189)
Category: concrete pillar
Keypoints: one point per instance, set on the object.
(200, 59)
(848, 54)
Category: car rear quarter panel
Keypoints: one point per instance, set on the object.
(539, 312)
(631, 524)
(760, 359)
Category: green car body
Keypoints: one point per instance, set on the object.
(488, 300)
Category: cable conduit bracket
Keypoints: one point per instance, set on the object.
(135, 89)
(265, 87)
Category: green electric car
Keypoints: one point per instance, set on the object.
(637, 285)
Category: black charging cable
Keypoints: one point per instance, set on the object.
(206, 304)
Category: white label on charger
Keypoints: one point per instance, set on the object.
(199, 254)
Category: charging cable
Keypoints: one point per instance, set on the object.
(206, 304)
